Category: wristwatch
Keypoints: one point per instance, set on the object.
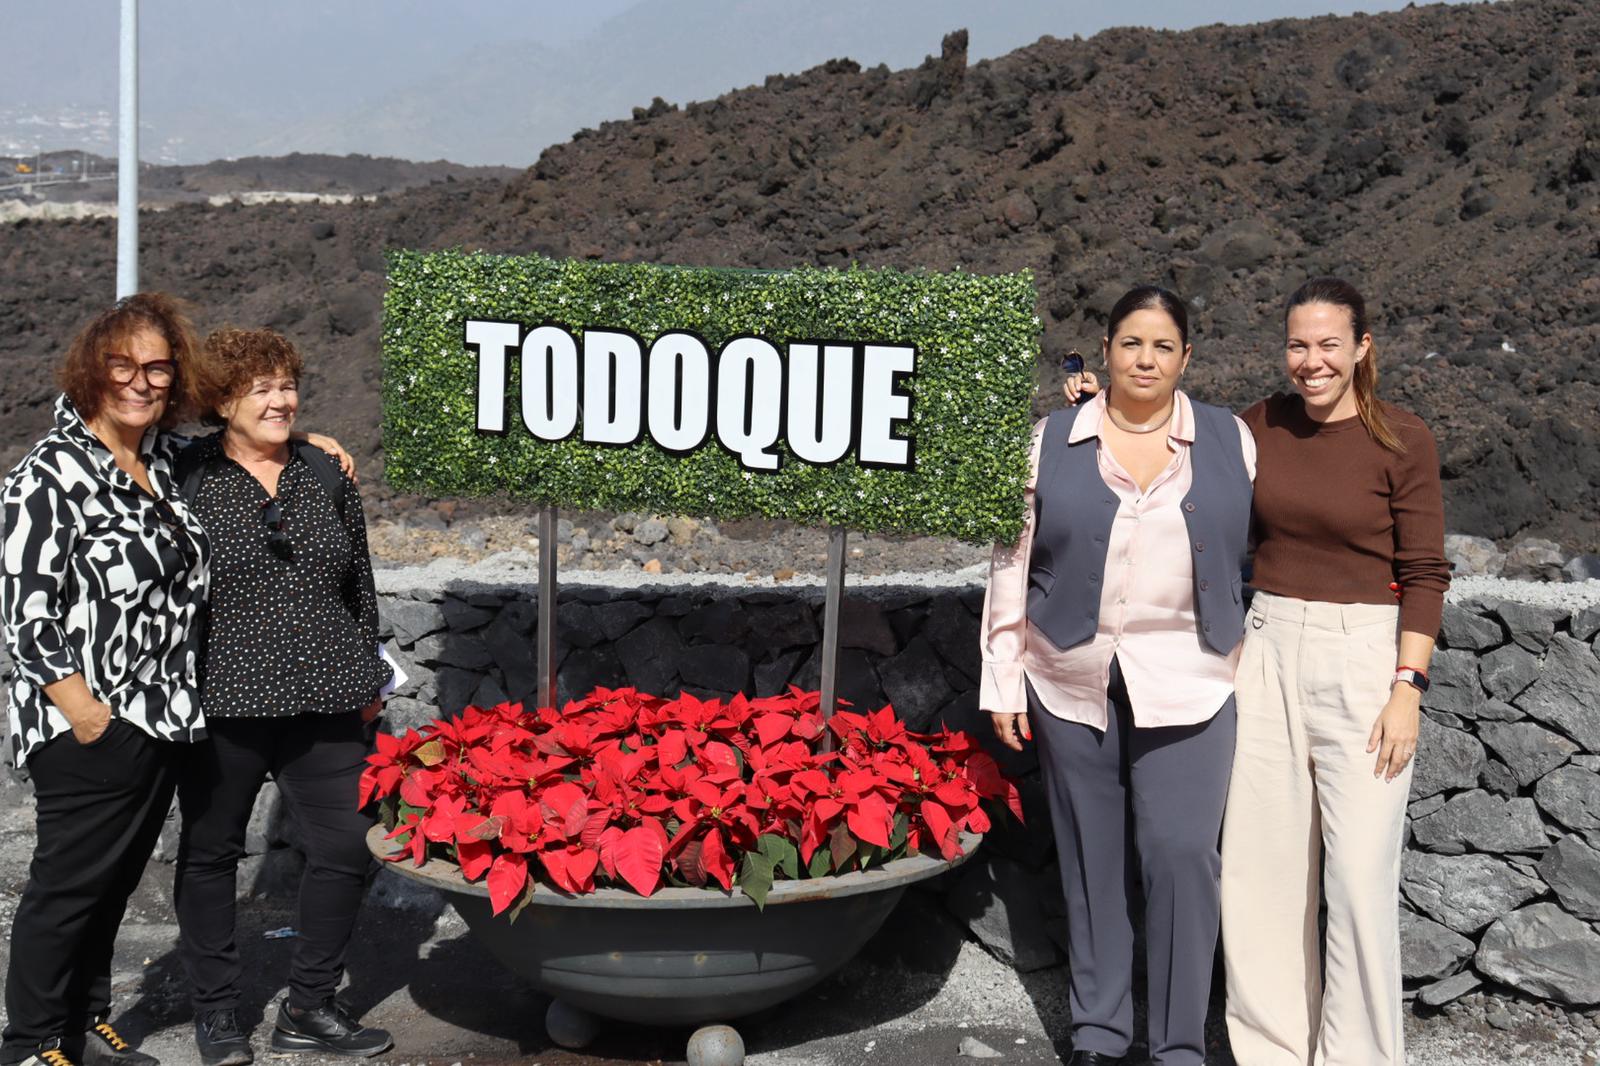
(1416, 678)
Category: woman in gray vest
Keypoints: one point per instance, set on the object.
(1110, 634)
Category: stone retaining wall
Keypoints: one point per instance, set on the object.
(1501, 872)
(1501, 877)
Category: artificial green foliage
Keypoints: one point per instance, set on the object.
(977, 339)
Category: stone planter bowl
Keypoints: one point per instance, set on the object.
(684, 956)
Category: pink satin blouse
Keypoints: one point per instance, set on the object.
(1147, 606)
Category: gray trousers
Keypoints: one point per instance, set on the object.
(1136, 808)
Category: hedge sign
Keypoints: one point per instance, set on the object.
(877, 400)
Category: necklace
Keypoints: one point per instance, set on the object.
(1148, 427)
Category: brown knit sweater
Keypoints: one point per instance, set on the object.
(1337, 516)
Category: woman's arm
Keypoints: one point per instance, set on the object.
(1394, 734)
(1003, 628)
(41, 532)
(360, 594)
(1416, 503)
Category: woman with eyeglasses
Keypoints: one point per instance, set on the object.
(1110, 635)
(102, 593)
(291, 682)
(104, 579)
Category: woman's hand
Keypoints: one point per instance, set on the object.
(1080, 387)
(346, 462)
(1394, 734)
(370, 712)
(1011, 729)
(89, 722)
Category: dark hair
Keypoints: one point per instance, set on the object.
(85, 377)
(1148, 298)
(1340, 293)
(235, 358)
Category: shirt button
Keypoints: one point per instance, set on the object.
(1188, 507)
(1205, 585)
(1199, 545)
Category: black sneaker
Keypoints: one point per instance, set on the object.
(220, 1040)
(48, 1053)
(104, 1046)
(328, 1029)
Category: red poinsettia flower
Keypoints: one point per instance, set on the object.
(630, 789)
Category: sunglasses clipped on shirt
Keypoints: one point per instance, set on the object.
(278, 542)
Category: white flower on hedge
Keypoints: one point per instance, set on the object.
(767, 305)
(472, 297)
(951, 315)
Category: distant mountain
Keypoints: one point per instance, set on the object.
(493, 81)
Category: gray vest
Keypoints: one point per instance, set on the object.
(1072, 530)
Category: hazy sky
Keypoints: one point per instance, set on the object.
(485, 81)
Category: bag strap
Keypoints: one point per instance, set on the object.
(327, 472)
(189, 469)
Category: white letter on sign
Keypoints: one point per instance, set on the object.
(882, 405)
(550, 383)
(680, 392)
(490, 341)
(613, 387)
(820, 398)
(750, 400)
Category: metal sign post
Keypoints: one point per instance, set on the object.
(546, 635)
(831, 605)
(128, 155)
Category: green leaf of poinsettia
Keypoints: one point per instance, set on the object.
(755, 877)
(821, 864)
(902, 826)
(782, 854)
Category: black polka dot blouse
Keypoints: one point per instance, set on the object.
(293, 626)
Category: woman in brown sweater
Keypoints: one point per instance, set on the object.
(1348, 515)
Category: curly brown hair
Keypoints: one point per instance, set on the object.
(233, 360)
(85, 376)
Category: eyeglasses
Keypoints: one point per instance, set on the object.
(1072, 362)
(158, 374)
(278, 542)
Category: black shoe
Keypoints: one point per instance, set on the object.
(48, 1053)
(220, 1040)
(104, 1046)
(1095, 1058)
(329, 1029)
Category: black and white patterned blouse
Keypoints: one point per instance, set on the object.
(103, 579)
(296, 635)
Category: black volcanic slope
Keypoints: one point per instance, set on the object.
(1446, 158)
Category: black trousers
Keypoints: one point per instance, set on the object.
(1138, 807)
(317, 762)
(100, 809)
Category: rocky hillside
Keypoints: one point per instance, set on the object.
(1445, 157)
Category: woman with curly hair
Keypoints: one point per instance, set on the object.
(292, 675)
(105, 572)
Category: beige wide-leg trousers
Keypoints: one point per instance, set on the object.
(1312, 680)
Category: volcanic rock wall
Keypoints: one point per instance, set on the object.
(1501, 871)
(1501, 874)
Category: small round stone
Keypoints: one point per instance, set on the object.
(569, 1026)
(716, 1045)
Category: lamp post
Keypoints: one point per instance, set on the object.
(128, 155)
